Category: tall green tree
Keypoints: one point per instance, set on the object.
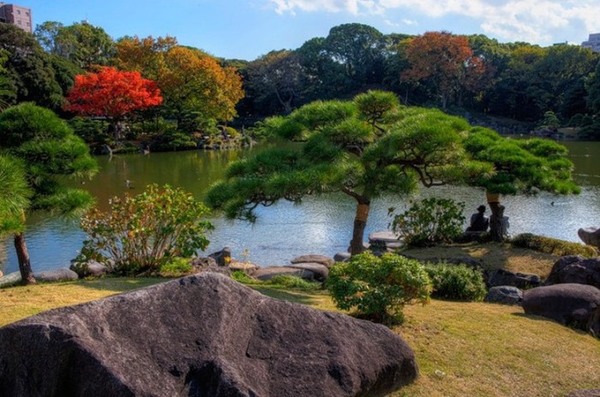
(82, 43)
(360, 50)
(446, 64)
(14, 194)
(29, 68)
(276, 81)
(520, 166)
(49, 151)
(362, 148)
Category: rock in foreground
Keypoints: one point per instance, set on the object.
(203, 335)
(576, 305)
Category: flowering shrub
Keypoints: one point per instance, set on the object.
(143, 232)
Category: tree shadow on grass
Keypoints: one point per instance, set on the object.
(296, 296)
(120, 284)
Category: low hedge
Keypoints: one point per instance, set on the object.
(456, 282)
(553, 246)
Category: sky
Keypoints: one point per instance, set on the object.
(247, 29)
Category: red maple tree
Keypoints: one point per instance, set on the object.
(446, 63)
(112, 93)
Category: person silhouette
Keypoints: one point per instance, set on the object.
(479, 222)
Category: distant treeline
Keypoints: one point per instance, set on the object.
(470, 75)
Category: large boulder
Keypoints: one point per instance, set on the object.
(590, 236)
(575, 269)
(314, 258)
(203, 335)
(63, 274)
(90, 268)
(576, 305)
(267, 273)
(501, 277)
(320, 272)
(504, 294)
(10, 279)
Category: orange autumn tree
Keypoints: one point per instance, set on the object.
(113, 94)
(192, 81)
(445, 63)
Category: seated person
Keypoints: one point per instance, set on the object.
(479, 222)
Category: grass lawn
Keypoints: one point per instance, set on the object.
(463, 349)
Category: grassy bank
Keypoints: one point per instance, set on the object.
(463, 349)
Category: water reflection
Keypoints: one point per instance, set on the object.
(319, 225)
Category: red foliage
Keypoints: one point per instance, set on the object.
(112, 93)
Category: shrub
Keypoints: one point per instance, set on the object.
(144, 232)
(456, 282)
(378, 287)
(552, 245)
(430, 221)
(176, 267)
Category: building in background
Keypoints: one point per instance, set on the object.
(16, 15)
(593, 42)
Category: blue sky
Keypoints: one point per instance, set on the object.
(247, 29)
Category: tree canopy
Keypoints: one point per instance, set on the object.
(372, 145)
(49, 151)
(112, 93)
(362, 148)
(191, 81)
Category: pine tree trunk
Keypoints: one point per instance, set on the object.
(496, 222)
(360, 222)
(24, 261)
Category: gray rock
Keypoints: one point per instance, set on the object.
(321, 272)
(520, 280)
(10, 279)
(203, 335)
(590, 236)
(56, 275)
(96, 269)
(342, 256)
(575, 269)
(90, 268)
(384, 241)
(575, 305)
(504, 294)
(248, 268)
(203, 262)
(314, 258)
(267, 273)
(585, 393)
(222, 257)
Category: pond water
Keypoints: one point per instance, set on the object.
(321, 225)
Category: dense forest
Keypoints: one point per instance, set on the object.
(511, 87)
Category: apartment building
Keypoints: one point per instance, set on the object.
(16, 15)
(593, 42)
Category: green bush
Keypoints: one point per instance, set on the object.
(430, 221)
(143, 232)
(176, 267)
(90, 130)
(456, 282)
(378, 287)
(553, 246)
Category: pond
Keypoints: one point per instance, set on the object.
(321, 225)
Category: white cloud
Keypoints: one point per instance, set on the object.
(510, 20)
